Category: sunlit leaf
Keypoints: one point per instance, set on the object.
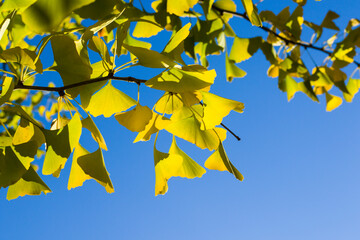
(146, 27)
(216, 108)
(59, 145)
(243, 48)
(178, 81)
(251, 12)
(29, 184)
(89, 124)
(232, 70)
(108, 101)
(6, 89)
(156, 123)
(168, 103)
(179, 7)
(98, 45)
(353, 86)
(77, 176)
(24, 57)
(16, 4)
(176, 163)
(332, 102)
(287, 84)
(93, 165)
(136, 119)
(220, 161)
(178, 38)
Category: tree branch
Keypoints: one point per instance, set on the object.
(20, 85)
(286, 40)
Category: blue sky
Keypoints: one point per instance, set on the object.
(300, 165)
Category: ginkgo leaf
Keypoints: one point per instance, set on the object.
(168, 103)
(146, 27)
(27, 132)
(287, 84)
(22, 56)
(98, 45)
(29, 184)
(77, 176)
(328, 21)
(97, 10)
(188, 128)
(150, 58)
(220, 161)
(11, 167)
(72, 66)
(179, 7)
(121, 34)
(189, 168)
(89, 124)
(108, 101)
(232, 70)
(156, 123)
(59, 145)
(6, 89)
(6, 22)
(178, 38)
(136, 119)
(16, 4)
(216, 108)
(252, 12)
(243, 48)
(332, 102)
(43, 16)
(178, 81)
(353, 86)
(93, 165)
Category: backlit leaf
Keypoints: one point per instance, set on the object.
(147, 28)
(251, 12)
(232, 70)
(332, 102)
(156, 123)
(89, 124)
(108, 101)
(29, 184)
(7, 88)
(11, 168)
(178, 81)
(328, 21)
(216, 108)
(179, 7)
(136, 119)
(243, 48)
(24, 57)
(220, 161)
(59, 145)
(77, 176)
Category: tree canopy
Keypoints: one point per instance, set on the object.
(93, 42)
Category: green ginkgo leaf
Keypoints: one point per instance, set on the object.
(59, 145)
(216, 108)
(220, 161)
(93, 165)
(146, 27)
(22, 56)
(179, 7)
(136, 119)
(244, 48)
(108, 101)
(45, 16)
(11, 167)
(16, 4)
(232, 70)
(252, 12)
(179, 81)
(156, 123)
(150, 58)
(29, 184)
(287, 84)
(89, 124)
(77, 176)
(6, 89)
(72, 65)
(98, 45)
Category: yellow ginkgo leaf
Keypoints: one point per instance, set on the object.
(188, 128)
(27, 132)
(168, 103)
(156, 123)
(179, 81)
(146, 27)
(136, 119)
(108, 101)
(332, 102)
(216, 108)
(77, 176)
(219, 161)
(179, 7)
(59, 145)
(29, 184)
(89, 124)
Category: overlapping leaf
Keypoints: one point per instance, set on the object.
(136, 119)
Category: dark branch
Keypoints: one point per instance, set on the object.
(286, 40)
(93, 80)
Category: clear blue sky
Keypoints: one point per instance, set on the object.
(301, 167)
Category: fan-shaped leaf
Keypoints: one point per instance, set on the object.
(136, 119)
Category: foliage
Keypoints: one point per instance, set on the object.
(77, 29)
